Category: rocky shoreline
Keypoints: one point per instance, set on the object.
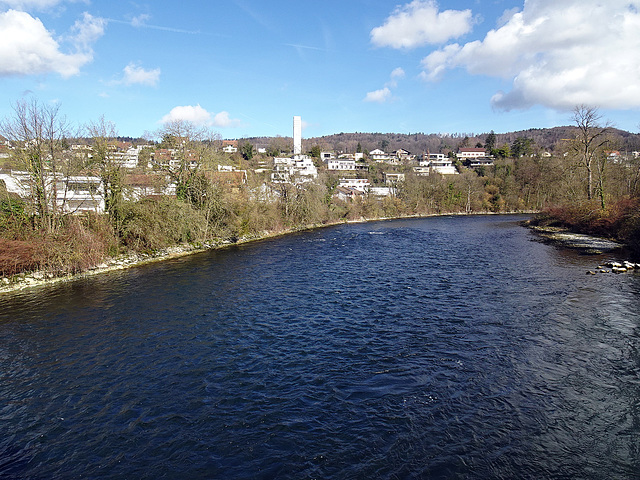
(615, 267)
(588, 245)
(585, 243)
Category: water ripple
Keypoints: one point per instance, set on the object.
(436, 348)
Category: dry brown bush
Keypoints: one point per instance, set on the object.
(17, 256)
(621, 220)
(78, 243)
(83, 242)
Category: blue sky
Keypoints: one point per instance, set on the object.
(246, 67)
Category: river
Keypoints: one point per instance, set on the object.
(445, 347)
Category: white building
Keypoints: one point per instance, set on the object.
(304, 166)
(393, 178)
(128, 158)
(341, 164)
(296, 169)
(361, 184)
(72, 194)
(229, 149)
(427, 158)
(17, 182)
(80, 194)
(443, 167)
(435, 162)
(379, 156)
(382, 191)
(465, 153)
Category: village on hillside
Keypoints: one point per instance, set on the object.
(150, 169)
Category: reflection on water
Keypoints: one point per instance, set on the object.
(452, 347)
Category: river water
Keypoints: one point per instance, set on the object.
(449, 347)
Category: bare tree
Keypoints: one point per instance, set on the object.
(40, 133)
(103, 136)
(590, 140)
(191, 147)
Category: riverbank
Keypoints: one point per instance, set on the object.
(619, 223)
(587, 244)
(25, 280)
(22, 281)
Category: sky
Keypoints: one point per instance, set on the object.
(244, 68)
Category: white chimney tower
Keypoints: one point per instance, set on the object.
(297, 135)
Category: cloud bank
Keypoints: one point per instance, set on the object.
(200, 117)
(558, 54)
(28, 48)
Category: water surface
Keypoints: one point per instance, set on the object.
(451, 347)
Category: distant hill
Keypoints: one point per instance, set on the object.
(544, 139)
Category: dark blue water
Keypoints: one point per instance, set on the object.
(427, 348)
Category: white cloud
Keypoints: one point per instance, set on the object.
(199, 116)
(397, 73)
(558, 54)
(140, 20)
(506, 16)
(378, 96)
(87, 31)
(188, 113)
(28, 48)
(134, 74)
(420, 23)
(223, 120)
(384, 94)
(437, 62)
